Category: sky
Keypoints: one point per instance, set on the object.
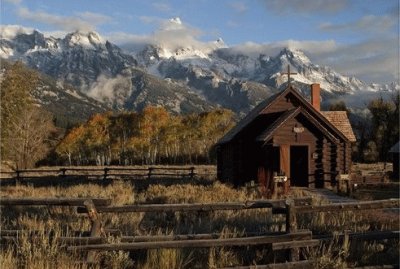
(355, 37)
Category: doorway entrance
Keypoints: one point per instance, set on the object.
(299, 166)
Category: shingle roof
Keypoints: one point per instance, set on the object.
(340, 120)
(395, 148)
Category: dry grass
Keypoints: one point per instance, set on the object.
(41, 251)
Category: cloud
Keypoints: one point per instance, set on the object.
(129, 41)
(163, 7)
(305, 6)
(110, 89)
(239, 7)
(14, 2)
(56, 34)
(274, 48)
(369, 24)
(10, 31)
(84, 21)
(232, 24)
(372, 60)
(94, 18)
(171, 35)
(150, 19)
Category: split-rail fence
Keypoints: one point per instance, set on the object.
(291, 240)
(104, 173)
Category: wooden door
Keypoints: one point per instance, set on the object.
(299, 166)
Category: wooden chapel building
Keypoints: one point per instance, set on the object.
(287, 135)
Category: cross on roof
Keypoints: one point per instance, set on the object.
(288, 73)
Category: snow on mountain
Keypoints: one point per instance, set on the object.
(175, 70)
(78, 58)
(222, 67)
(100, 70)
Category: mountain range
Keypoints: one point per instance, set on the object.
(183, 79)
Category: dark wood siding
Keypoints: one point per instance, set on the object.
(246, 157)
(225, 159)
(395, 166)
(282, 104)
(309, 137)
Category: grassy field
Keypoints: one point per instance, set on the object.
(42, 251)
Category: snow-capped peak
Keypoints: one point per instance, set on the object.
(176, 20)
(295, 55)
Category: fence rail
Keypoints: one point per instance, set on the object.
(5, 201)
(292, 239)
(198, 243)
(275, 204)
(105, 173)
(307, 264)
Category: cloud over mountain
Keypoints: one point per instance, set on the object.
(306, 6)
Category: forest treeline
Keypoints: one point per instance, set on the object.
(152, 136)
(29, 135)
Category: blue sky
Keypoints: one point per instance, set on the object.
(356, 37)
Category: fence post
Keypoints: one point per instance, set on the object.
(96, 230)
(150, 172)
(105, 172)
(18, 177)
(346, 242)
(349, 187)
(191, 172)
(63, 171)
(275, 191)
(291, 226)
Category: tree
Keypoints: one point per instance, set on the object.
(121, 129)
(72, 144)
(31, 136)
(25, 128)
(98, 138)
(151, 123)
(15, 90)
(152, 136)
(385, 123)
(339, 106)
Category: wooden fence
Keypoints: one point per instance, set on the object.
(292, 239)
(103, 173)
(349, 183)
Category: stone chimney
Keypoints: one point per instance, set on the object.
(315, 96)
